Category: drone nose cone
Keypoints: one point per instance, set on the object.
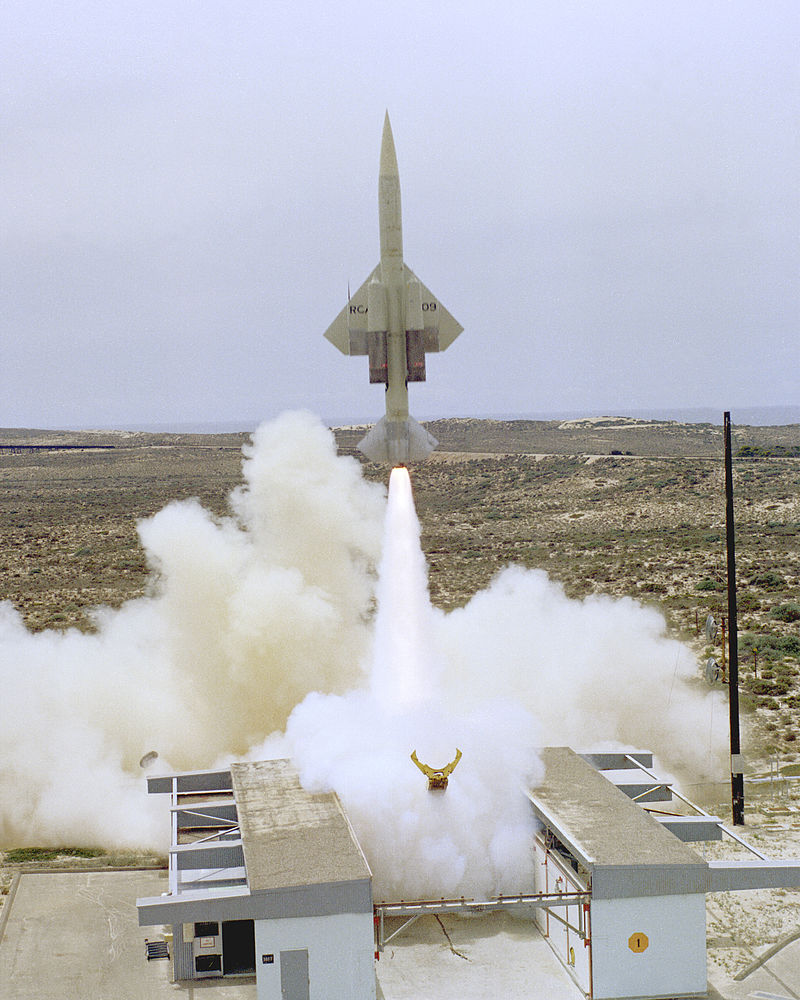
(388, 166)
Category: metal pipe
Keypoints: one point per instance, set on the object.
(566, 923)
(539, 899)
(675, 792)
(382, 944)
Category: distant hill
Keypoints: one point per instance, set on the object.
(593, 435)
(590, 436)
(753, 416)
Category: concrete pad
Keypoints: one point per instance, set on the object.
(76, 937)
(777, 979)
(488, 955)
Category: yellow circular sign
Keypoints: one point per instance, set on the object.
(638, 942)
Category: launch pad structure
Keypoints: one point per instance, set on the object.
(268, 879)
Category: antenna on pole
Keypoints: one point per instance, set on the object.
(737, 775)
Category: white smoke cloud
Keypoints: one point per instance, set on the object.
(262, 621)
(594, 671)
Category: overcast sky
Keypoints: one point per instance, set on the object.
(604, 194)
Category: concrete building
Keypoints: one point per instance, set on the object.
(642, 929)
(265, 879)
(638, 926)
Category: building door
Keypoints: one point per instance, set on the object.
(238, 947)
(294, 975)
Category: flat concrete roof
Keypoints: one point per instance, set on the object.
(598, 821)
(604, 829)
(292, 837)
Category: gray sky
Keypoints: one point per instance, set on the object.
(604, 194)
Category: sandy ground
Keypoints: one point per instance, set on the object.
(742, 926)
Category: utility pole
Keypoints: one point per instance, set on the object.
(737, 769)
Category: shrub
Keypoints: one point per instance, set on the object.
(788, 644)
(747, 601)
(768, 581)
(768, 646)
(786, 612)
(746, 702)
(709, 584)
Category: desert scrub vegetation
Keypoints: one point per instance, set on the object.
(540, 494)
(91, 858)
(786, 612)
(764, 451)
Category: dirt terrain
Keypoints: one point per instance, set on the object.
(609, 505)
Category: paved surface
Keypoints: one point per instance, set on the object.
(76, 937)
(493, 955)
(777, 979)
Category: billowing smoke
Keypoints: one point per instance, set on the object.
(600, 670)
(247, 615)
(264, 621)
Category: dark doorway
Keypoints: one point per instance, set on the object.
(238, 947)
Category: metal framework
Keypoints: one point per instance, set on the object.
(700, 811)
(220, 845)
(418, 908)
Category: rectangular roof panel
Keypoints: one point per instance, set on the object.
(627, 852)
(292, 837)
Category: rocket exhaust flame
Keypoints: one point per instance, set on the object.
(401, 670)
(418, 846)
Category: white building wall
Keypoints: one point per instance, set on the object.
(674, 961)
(340, 955)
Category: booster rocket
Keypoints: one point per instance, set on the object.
(395, 320)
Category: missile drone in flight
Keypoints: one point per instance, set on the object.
(396, 321)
